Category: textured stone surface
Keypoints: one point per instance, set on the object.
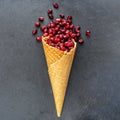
(93, 90)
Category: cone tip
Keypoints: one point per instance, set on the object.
(59, 114)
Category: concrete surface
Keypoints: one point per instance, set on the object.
(94, 88)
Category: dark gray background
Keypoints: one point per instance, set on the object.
(94, 88)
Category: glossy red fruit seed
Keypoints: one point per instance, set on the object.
(69, 21)
(81, 41)
(45, 30)
(77, 27)
(69, 17)
(62, 48)
(34, 31)
(58, 20)
(49, 11)
(43, 27)
(41, 19)
(78, 34)
(50, 16)
(88, 33)
(55, 5)
(62, 15)
(45, 34)
(39, 39)
(71, 26)
(37, 24)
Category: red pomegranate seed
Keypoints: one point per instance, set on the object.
(55, 5)
(78, 34)
(49, 11)
(57, 40)
(78, 31)
(38, 39)
(37, 24)
(49, 26)
(34, 31)
(81, 41)
(52, 44)
(88, 33)
(52, 25)
(52, 39)
(67, 31)
(71, 44)
(67, 26)
(73, 35)
(45, 34)
(41, 19)
(50, 16)
(77, 27)
(61, 36)
(50, 31)
(69, 17)
(58, 20)
(45, 30)
(43, 27)
(66, 36)
(66, 44)
(56, 29)
(71, 26)
(62, 15)
(69, 21)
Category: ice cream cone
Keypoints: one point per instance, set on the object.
(59, 65)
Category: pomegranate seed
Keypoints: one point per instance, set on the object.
(69, 21)
(45, 34)
(55, 5)
(56, 29)
(37, 24)
(67, 26)
(69, 17)
(41, 19)
(52, 39)
(52, 25)
(66, 36)
(78, 34)
(45, 30)
(62, 15)
(57, 40)
(52, 44)
(77, 27)
(88, 33)
(73, 35)
(66, 44)
(50, 35)
(34, 31)
(49, 11)
(71, 26)
(43, 27)
(78, 31)
(61, 36)
(38, 39)
(48, 26)
(50, 31)
(71, 44)
(58, 20)
(67, 32)
(50, 16)
(81, 41)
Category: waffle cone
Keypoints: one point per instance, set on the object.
(59, 65)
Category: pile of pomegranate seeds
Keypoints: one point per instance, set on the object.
(62, 32)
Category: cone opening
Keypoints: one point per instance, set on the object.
(65, 52)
